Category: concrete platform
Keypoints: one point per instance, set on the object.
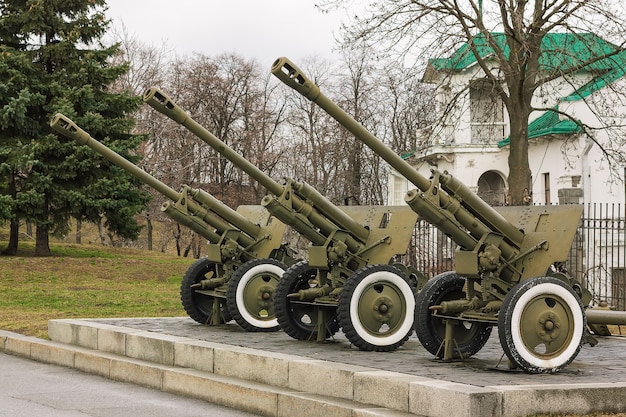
(271, 374)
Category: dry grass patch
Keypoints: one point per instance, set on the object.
(87, 281)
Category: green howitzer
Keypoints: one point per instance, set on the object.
(246, 256)
(349, 280)
(509, 266)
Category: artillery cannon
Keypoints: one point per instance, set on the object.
(349, 280)
(246, 256)
(509, 265)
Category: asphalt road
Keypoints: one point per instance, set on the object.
(29, 388)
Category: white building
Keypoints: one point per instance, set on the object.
(567, 165)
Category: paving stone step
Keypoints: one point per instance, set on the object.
(271, 383)
(243, 394)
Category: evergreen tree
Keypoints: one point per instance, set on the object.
(16, 129)
(53, 60)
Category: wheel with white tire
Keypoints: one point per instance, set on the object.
(250, 295)
(541, 325)
(376, 307)
(203, 308)
(469, 337)
(301, 320)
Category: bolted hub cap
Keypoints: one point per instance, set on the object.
(383, 306)
(549, 325)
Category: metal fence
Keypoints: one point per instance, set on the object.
(597, 258)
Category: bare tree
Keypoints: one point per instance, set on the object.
(387, 102)
(359, 97)
(409, 107)
(227, 95)
(262, 113)
(314, 152)
(508, 41)
(147, 66)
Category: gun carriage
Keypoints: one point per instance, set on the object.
(246, 256)
(510, 264)
(350, 280)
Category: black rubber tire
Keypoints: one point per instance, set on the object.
(469, 337)
(299, 320)
(199, 306)
(360, 304)
(525, 336)
(263, 276)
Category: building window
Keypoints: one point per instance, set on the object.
(399, 190)
(486, 112)
(546, 188)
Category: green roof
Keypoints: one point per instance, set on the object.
(601, 81)
(559, 51)
(549, 123)
(563, 52)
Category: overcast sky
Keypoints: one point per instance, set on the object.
(260, 29)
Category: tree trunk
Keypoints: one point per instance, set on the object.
(42, 241)
(102, 233)
(79, 227)
(114, 242)
(14, 228)
(14, 235)
(520, 176)
(149, 222)
(177, 239)
(354, 172)
(197, 247)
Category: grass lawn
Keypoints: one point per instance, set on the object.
(86, 281)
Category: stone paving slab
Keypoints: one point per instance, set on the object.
(603, 363)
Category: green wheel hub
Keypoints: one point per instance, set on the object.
(381, 308)
(547, 325)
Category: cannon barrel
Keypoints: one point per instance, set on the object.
(192, 222)
(292, 76)
(209, 202)
(201, 221)
(602, 316)
(165, 105)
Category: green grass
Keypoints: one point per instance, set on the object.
(86, 281)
